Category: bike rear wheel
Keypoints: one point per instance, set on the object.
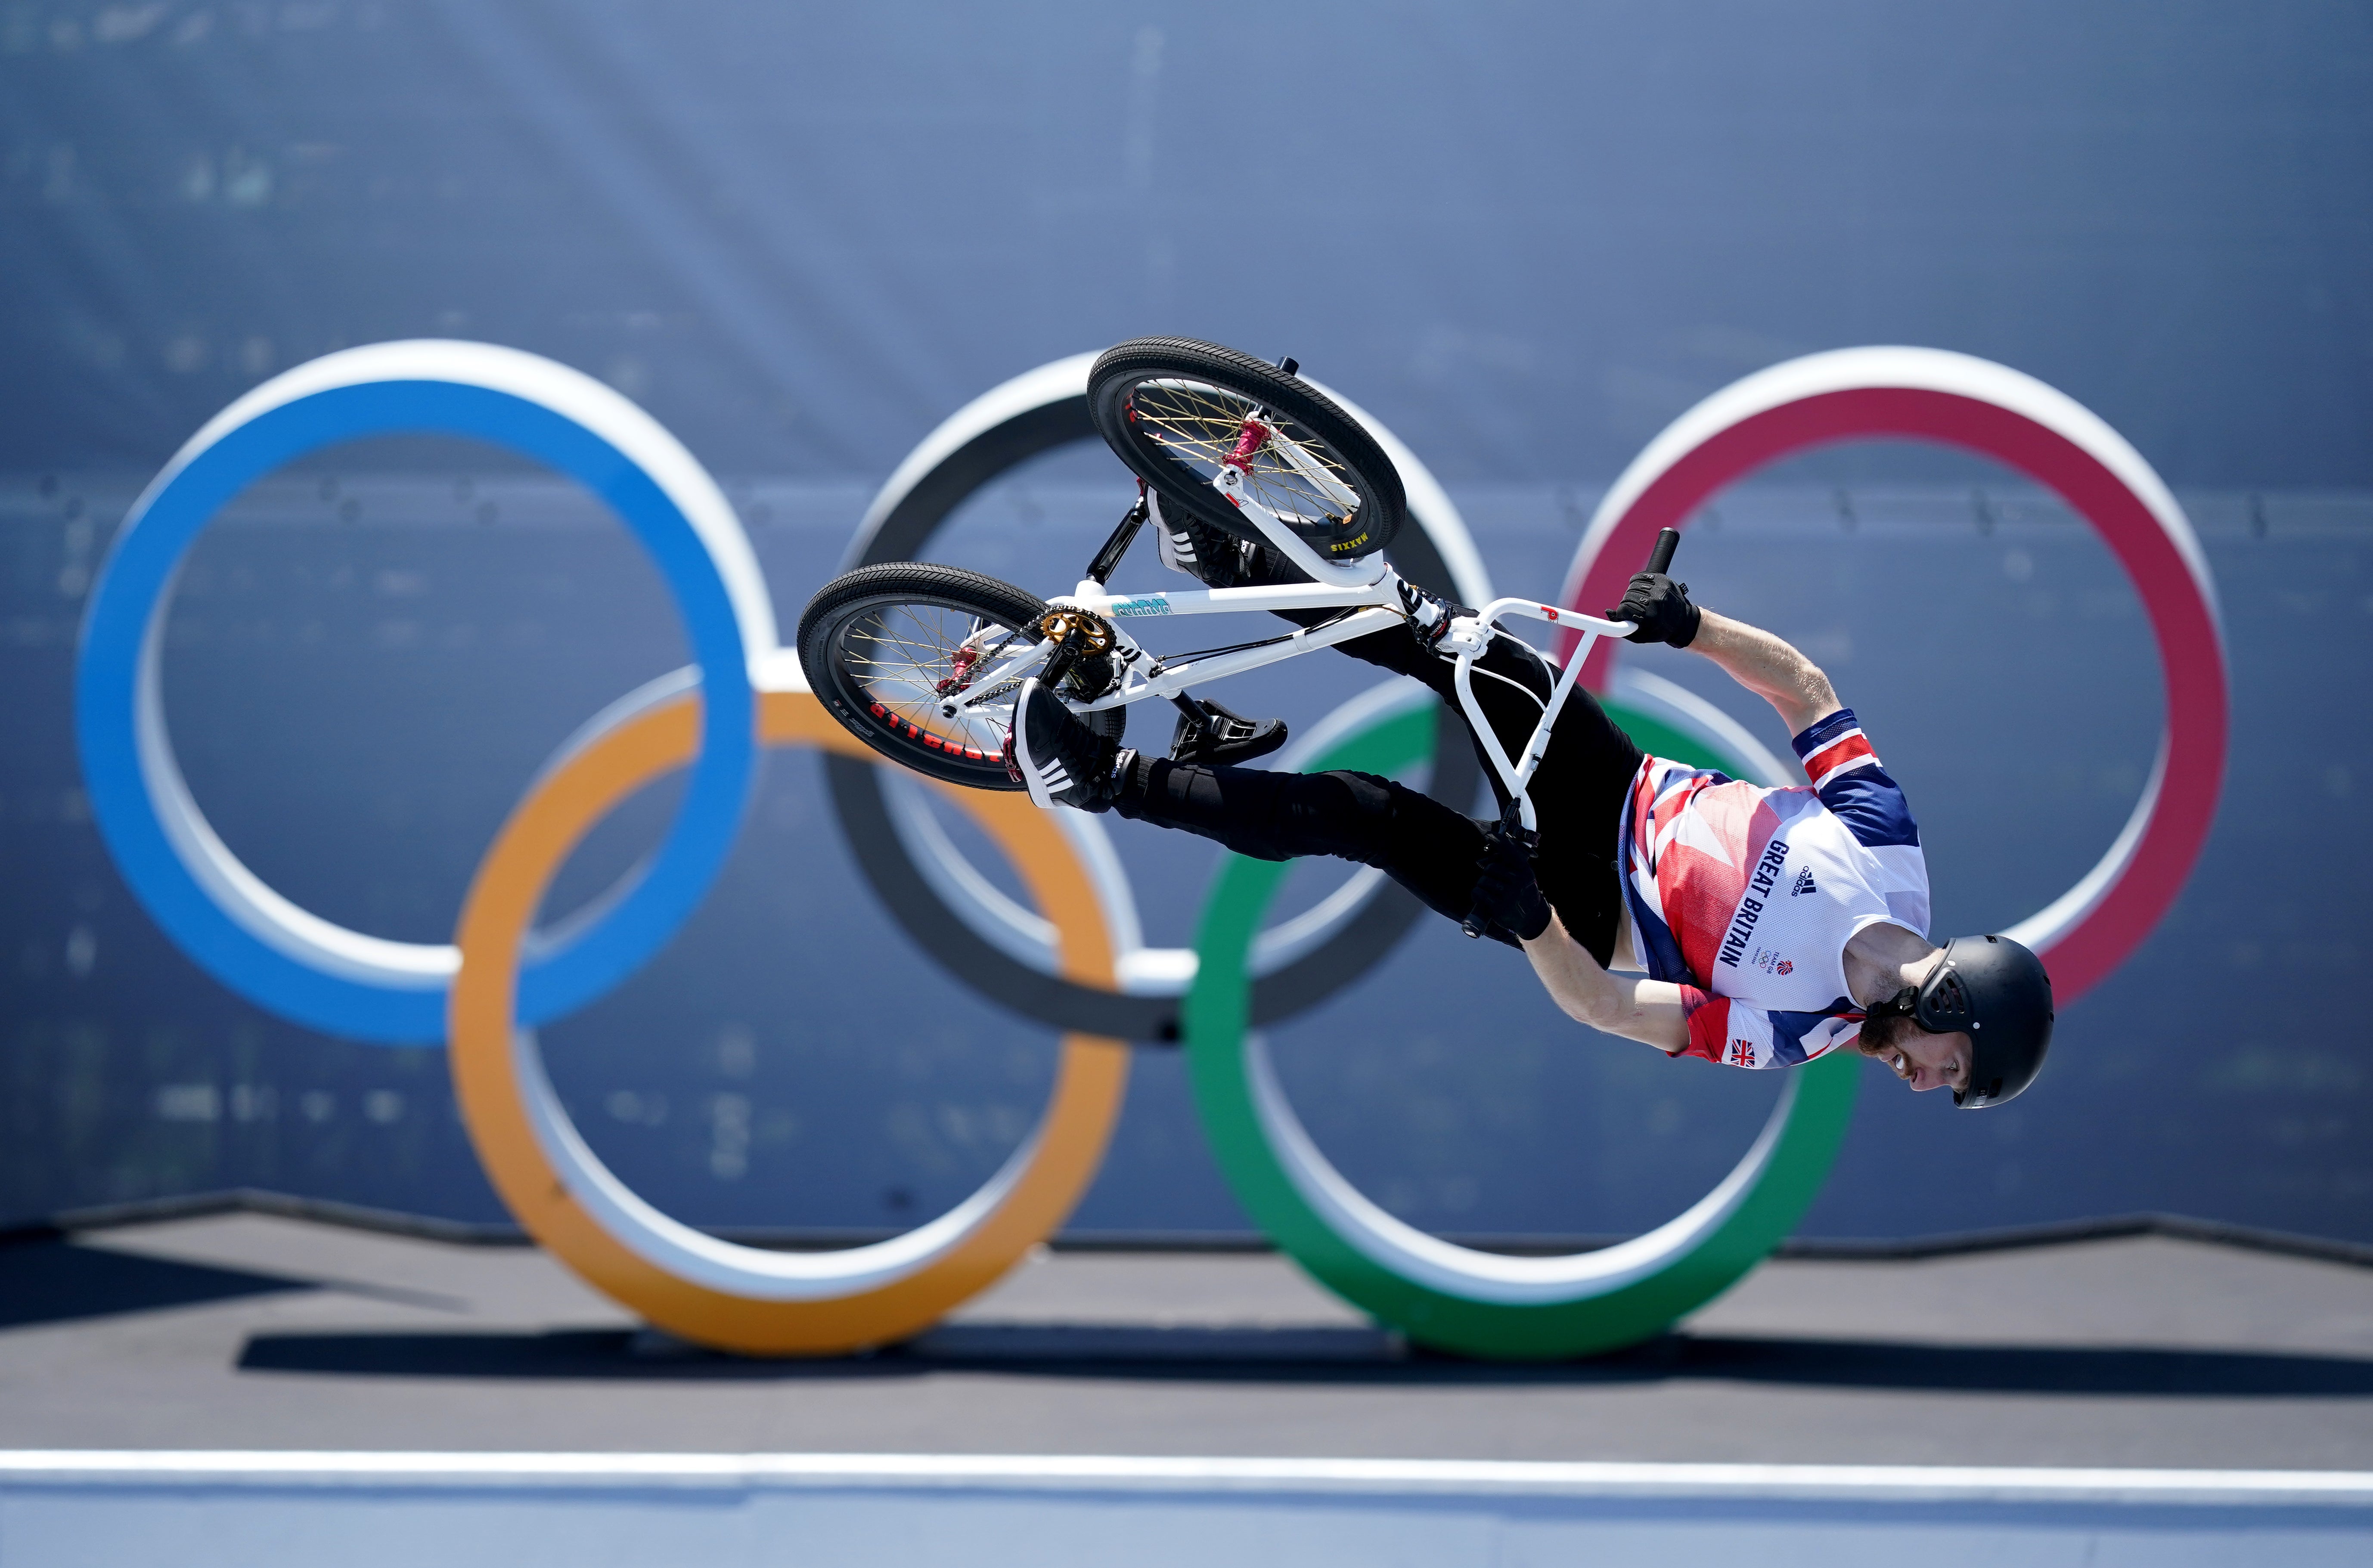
(885, 646)
(1173, 409)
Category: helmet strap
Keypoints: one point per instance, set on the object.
(1904, 1003)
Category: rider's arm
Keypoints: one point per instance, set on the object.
(1769, 667)
(1629, 1005)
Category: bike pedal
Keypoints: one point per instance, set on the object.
(1226, 738)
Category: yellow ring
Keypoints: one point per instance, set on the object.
(705, 1290)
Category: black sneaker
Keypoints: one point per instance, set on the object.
(1058, 759)
(1222, 736)
(1429, 615)
(1213, 556)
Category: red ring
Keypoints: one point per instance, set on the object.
(2183, 621)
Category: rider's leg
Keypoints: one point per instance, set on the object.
(1418, 842)
(1513, 681)
(1580, 790)
(1425, 846)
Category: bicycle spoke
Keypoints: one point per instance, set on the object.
(899, 655)
(1201, 426)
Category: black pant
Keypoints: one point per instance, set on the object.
(1578, 797)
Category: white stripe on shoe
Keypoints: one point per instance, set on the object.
(1034, 774)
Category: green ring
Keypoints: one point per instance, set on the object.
(1454, 1298)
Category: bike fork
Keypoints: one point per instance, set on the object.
(1107, 559)
(1469, 636)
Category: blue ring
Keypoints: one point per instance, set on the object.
(140, 572)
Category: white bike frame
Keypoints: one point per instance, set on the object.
(1369, 589)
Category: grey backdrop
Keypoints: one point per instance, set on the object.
(1525, 236)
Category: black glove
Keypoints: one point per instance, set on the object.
(1660, 608)
(1507, 894)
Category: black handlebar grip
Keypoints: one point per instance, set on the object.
(1660, 559)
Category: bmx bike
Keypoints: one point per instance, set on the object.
(925, 663)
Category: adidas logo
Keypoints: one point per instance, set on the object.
(1053, 778)
(1804, 883)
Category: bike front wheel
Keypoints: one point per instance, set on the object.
(884, 647)
(1175, 410)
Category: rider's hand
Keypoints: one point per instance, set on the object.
(1507, 894)
(1660, 610)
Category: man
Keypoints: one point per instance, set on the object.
(1758, 927)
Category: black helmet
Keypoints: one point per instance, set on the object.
(1997, 991)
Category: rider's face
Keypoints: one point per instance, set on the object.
(1921, 1060)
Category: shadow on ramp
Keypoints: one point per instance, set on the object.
(58, 1281)
(1334, 1355)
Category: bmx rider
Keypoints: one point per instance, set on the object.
(1667, 904)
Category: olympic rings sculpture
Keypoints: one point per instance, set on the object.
(1077, 962)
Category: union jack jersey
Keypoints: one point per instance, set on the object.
(1746, 897)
